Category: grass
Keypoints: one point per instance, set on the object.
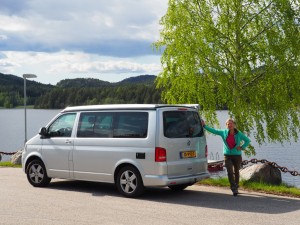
(9, 164)
(27, 106)
(283, 189)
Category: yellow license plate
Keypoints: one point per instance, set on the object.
(188, 154)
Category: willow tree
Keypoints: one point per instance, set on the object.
(239, 54)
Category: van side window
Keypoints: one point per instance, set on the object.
(62, 126)
(113, 125)
(131, 125)
(182, 124)
(95, 124)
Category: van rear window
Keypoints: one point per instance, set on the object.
(182, 124)
(113, 125)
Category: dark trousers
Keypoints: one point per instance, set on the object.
(233, 165)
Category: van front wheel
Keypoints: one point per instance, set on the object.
(36, 174)
(129, 182)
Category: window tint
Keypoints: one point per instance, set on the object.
(97, 124)
(110, 124)
(62, 126)
(131, 125)
(181, 124)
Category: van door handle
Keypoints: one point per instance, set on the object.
(68, 142)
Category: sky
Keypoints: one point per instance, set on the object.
(64, 39)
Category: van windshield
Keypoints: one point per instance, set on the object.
(182, 124)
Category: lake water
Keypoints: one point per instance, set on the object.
(12, 127)
(12, 139)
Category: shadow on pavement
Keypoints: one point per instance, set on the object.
(247, 202)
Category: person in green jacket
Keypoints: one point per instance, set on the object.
(234, 141)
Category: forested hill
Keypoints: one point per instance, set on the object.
(12, 90)
(91, 82)
(82, 82)
(11, 82)
(80, 91)
(146, 79)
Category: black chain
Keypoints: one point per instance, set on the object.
(283, 169)
(8, 153)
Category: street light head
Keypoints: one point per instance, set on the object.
(28, 75)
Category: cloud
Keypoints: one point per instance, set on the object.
(77, 63)
(85, 63)
(7, 65)
(12, 6)
(99, 36)
(2, 56)
(111, 26)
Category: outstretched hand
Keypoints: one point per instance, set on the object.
(203, 123)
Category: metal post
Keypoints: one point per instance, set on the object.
(25, 101)
(25, 116)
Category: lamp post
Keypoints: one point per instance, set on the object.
(25, 100)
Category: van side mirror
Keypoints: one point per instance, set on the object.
(43, 131)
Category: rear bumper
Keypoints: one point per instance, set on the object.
(153, 180)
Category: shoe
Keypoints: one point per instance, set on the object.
(235, 192)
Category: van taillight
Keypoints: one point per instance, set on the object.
(206, 151)
(160, 154)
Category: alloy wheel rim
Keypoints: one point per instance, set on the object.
(128, 181)
(36, 173)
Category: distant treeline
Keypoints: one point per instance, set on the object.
(59, 98)
(70, 92)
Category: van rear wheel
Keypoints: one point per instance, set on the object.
(129, 182)
(178, 187)
(36, 174)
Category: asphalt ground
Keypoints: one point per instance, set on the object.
(77, 202)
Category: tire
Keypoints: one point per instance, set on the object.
(37, 174)
(178, 187)
(129, 182)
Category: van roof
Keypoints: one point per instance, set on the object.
(127, 106)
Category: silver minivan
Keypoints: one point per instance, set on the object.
(133, 146)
